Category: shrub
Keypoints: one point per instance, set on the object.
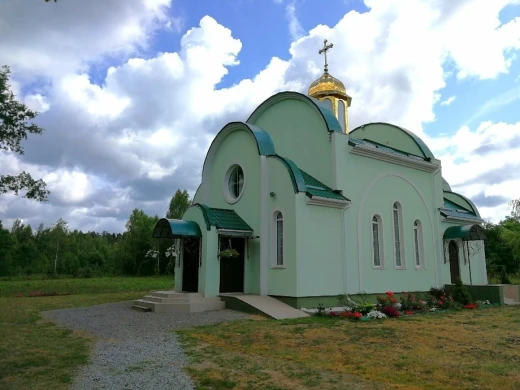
(390, 311)
(438, 292)
(386, 300)
(461, 294)
(414, 302)
(504, 278)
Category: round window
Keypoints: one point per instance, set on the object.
(234, 183)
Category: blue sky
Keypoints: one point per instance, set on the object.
(130, 138)
(262, 28)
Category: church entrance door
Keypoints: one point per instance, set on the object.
(232, 268)
(190, 264)
(454, 261)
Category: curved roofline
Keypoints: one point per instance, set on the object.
(330, 120)
(475, 210)
(175, 227)
(427, 153)
(466, 232)
(294, 172)
(445, 184)
(205, 210)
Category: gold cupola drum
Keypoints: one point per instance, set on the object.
(331, 91)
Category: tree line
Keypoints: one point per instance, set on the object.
(58, 250)
(502, 245)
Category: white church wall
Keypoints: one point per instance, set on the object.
(374, 186)
(320, 250)
(299, 132)
(281, 279)
(239, 147)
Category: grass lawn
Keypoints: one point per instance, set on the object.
(39, 355)
(85, 286)
(463, 350)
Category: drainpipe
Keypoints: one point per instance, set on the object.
(469, 263)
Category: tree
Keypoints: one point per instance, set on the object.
(179, 203)
(14, 127)
(6, 249)
(515, 209)
(59, 232)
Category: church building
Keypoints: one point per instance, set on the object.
(296, 205)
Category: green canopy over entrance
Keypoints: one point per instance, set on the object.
(465, 232)
(170, 228)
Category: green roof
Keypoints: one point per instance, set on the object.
(365, 142)
(466, 232)
(229, 220)
(331, 122)
(303, 182)
(427, 153)
(314, 187)
(169, 228)
(454, 210)
(222, 218)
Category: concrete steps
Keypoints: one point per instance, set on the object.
(174, 302)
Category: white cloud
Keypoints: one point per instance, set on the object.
(495, 103)
(141, 134)
(295, 27)
(448, 101)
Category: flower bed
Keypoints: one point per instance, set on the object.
(388, 306)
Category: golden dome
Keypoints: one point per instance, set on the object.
(327, 85)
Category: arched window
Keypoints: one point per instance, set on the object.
(418, 244)
(398, 235)
(279, 238)
(377, 244)
(341, 114)
(328, 103)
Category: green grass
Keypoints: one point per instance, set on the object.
(72, 286)
(464, 350)
(35, 354)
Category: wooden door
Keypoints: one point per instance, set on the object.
(232, 269)
(454, 261)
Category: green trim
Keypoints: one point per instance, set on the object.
(475, 210)
(326, 113)
(427, 153)
(169, 228)
(294, 173)
(317, 188)
(356, 141)
(205, 211)
(264, 141)
(466, 232)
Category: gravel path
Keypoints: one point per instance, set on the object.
(135, 350)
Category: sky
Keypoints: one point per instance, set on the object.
(131, 93)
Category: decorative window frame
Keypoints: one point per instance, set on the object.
(274, 243)
(420, 243)
(225, 185)
(401, 236)
(381, 265)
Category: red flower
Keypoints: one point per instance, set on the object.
(440, 302)
(390, 293)
(358, 315)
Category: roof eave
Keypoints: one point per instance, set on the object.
(328, 202)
